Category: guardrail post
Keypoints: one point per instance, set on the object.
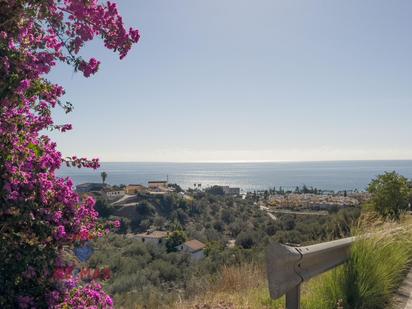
(293, 298)
(288, 267)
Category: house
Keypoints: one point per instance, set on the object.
(134, 189)
(152, 237)
(194, 247)
(231, 191)
(90, 186)
(157, 184)
(114, 193)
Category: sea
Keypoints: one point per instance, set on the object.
(327, 175)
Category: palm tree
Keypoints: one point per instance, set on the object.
(104, 176)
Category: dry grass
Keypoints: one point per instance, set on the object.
(378, 265)
(244, 277)
(237, 287)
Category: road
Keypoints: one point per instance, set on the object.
(310, 213)
(123, 198)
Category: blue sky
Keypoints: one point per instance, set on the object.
(225, 80)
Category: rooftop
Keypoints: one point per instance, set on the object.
(194, 245)
(154, 234)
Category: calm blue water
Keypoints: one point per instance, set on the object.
(336, 175)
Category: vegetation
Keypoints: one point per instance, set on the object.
(158, 276)
(368, 280)
(390, 195)
(234, 276)
(238, 286)
(175, 239)
(103, 175)
(142, 274)
(281, 191)
(217, 218)
(40, 214)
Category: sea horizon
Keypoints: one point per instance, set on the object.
(256, 161)
(249, 176)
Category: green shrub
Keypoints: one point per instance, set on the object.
(246, 239)
(390, 195)
(368, 280)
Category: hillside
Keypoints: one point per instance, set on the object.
(235, 231)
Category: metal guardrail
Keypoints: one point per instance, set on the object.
(288, 267)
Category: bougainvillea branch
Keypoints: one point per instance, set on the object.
(40, 214)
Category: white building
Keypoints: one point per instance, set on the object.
(230, 190)
(154, 237)
(194, 247)
(115, 193)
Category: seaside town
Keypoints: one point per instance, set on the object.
(124, 195)
(305, 199)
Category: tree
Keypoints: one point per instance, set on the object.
(227, 216)
(103, 209)
(159, 222)
(246, 239)
(305, 189)
(175, 187)
(390, 195)
(124, 223)
(104, 176)
(41, 213)
(145, 209)
(288, 223)
(175, 239)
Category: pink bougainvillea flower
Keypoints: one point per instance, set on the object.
(42, 214)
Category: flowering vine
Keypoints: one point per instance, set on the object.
(40, 214)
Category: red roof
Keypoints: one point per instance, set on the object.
(194, 245)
